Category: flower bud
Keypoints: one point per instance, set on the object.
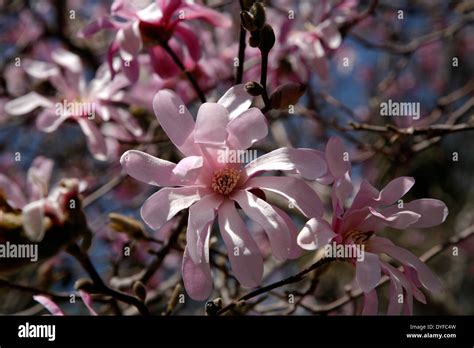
(246, 4)
(139, 290)
(124, 224)
(258, 11)
(255, 39)
(267, 39)
(286, 95)
(248, 21)
(85, 284)
(253, 88)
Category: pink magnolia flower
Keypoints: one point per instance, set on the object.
(78, 101)
(209, 184)
(321, 34)
(371, 211)
(161, 22)
(39, 200)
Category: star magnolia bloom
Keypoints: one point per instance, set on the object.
(371, 211)
(39, 202)
(208, 185)
(162, 21)
(87, 104)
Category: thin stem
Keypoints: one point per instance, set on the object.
(241, 57)
(263, 81)
(99, 284)
(292, 279)
(189, 76)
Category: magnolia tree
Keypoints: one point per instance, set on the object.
(236, 157)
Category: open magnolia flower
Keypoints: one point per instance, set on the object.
(88, 104)
(39, 201)
(160, 22)
(210, 181)
(371, 211)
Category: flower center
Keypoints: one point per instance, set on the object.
(358, 237)
(225, 180)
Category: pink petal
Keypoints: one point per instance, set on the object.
(335, 158)
(14, 195)
(433, 212)
(195, 11)
(196, 277)
(25, 104)
(395, 189)
(399, 220)
(129, 41)
(295, 249)
(315, 234)
(162, 62)
(175, 120)
(296, 191)
(49, 120)
(244, 130)
(149, 169)
(190, 39)
(273, 224)
(38, 177)
(67, 60)
(95, 26)
(87, 299)
(46, 302)
(371, 303)
(304, 161)
(201, 216)
(211, 123)
(33, 215)
(427, 278)
(368, 272)
(236, 100)
(131, 69)
(330, 34)
(188, 168)
(40, 70)
(244, 254)
(167, 202)
(95, 139)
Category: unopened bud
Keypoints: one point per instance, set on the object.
(124, 224)
(86, 285)
(246, 4)
(286, 95)
(248, 21)
(255, 39)
(212, 307)
(267, 39)
(253, 88)
(258, 11)
(139, 290)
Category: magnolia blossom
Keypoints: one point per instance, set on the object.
(321, 34)
(39, 200)
(209, 185)
(161, 22)
(371, 211)
(87, 104)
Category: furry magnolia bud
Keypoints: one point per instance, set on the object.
(258, 12)
(248, 21)
(286, 95)
(139, 290)
(267, 39)
(124, 224)
(253, 88)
